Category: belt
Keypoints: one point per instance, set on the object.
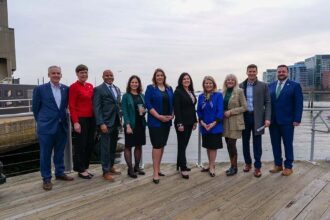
(250, 113)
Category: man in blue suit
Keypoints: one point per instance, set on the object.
(287, 107)
(49, 105)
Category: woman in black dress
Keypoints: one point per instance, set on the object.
(185, 119)
(133, 108)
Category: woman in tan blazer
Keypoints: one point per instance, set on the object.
(234, 106)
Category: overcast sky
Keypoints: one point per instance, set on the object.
(135, 37)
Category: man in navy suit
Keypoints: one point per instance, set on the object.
(106, 104)
(287, 107)
(49, 105)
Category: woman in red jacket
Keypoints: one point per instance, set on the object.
(81, 110)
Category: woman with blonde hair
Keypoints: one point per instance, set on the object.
(210, 115)
(233, 123)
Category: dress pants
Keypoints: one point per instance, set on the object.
(108, 145)
(183, 140)
(285, 133)
(83, 144)
(48, 143)
(257, 144)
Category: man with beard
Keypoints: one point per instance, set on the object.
(287, 107)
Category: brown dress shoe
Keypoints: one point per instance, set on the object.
(64, 177)
(276, 169)
(287, 172)
(257, 173)
(114, 171)
(107, 176)
(247, 168)
(47, 185)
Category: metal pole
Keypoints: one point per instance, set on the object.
(68, 149)
(199, 163)
(313, 135)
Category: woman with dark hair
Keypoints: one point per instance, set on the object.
(185, 119)
(82, 116)
(159, 102)
(210, 115)
(133, 108)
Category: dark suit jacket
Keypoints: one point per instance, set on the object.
(106, 107)
(261, 104)
(288, 107)
(184, 108)
(46, 113)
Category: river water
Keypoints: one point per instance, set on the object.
(302, 143)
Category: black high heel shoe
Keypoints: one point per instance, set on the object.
(184, 176)
(139, 171)
(88, 177)
(161, 174)
(231, 171)
(131, 173)
(156, 181)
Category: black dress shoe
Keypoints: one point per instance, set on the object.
(139, 171)
(90, 174)
(184, 176)
(88, 177)
(156, 181)
(161, 174)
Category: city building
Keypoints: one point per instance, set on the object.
(269, 75)
(326, 80)
(298, 73)
(316, 66)
(7, 46)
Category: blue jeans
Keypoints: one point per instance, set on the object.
(257, 144)
(48, 143)
(285, 133)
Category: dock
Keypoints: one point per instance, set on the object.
(303, 195)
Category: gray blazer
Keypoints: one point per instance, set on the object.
(106, 107)
(261, 104)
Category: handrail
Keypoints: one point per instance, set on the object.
(315, 117)
(15, 100)
(319, 111)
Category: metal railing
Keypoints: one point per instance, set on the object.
(317, 115)
(29, 105)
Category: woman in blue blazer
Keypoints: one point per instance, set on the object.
(133, 108)
(210, 114)
(159, 102)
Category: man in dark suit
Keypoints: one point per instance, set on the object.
(256, 118)
(49, 105)
(287, 107)
(106, 105)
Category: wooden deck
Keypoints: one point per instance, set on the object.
(303, 195)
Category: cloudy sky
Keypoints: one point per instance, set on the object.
(206, 37)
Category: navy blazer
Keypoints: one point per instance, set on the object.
(46, 113)
(153, 100)
(288, 107)
(106, 107)
(210, 113)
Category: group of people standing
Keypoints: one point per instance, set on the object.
(239, 111)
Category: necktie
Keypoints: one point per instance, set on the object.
(278, 90)
(112, 92)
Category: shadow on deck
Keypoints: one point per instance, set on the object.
(303, 195)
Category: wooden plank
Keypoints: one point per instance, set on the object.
(270, 207)
(302, 199)
(252, 196)
(318, 206)
(326, 214)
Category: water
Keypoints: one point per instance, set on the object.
(302, 143)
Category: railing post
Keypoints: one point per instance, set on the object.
(313, 135)
(199, 163)
(68, 149)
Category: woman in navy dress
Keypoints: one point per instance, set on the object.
(159, 102)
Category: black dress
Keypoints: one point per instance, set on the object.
(138, 138)
(159, 135)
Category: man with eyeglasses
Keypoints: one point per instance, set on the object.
(287, 107)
